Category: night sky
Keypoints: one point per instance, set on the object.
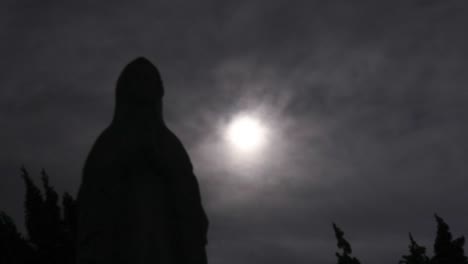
(365, 102)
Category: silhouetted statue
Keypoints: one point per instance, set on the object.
(139, 201)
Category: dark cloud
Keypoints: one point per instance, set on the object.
(366, 100)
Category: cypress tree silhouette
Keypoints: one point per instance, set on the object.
(13, 247)
(33, 206)
(69, 213)
(51, 222)
(446, 250)
(51, 236)
(417, 254)
(345, 257)
(69, 227)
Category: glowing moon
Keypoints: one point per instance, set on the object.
(246, 133)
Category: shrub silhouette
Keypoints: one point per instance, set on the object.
(13, 247)
(345, 257)
(50, 232)
(417, 253)
(447, 250)
(33, 207)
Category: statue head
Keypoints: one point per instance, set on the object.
(139, 90)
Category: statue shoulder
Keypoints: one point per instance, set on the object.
(175, 147)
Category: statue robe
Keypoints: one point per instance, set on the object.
(139, 201)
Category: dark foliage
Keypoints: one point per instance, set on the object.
(446, 249)
(50, 233)
(417, 254)
(51, 224)
(33, 207)
(68, 228)
(13, 247)
(51, 212)
(345, 257)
